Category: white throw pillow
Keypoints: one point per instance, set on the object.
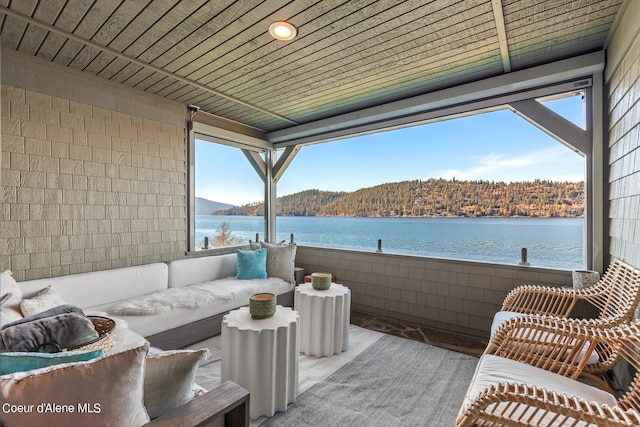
(169, 379)
(10, 297)
(101, 392)
(9, 286)
(8, 312)
(44, 300)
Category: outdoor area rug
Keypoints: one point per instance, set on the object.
(394, 382)
(381, 380)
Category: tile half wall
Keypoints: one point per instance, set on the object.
(449, 295)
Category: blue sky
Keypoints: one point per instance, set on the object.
(498, 146)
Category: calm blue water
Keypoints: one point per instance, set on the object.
(551, 242)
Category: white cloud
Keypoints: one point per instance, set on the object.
(556, 163)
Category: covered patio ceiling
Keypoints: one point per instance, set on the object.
(348, 55)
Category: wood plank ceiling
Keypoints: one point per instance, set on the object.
(349, 54)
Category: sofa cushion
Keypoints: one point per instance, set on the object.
(503, 316)
(184, 272)
(11, 362)
(42, 301)
(252, 264)
(492, 370)
(208, 294)
(169, 379)
(97, 288)
(228, 294)
(103, 391)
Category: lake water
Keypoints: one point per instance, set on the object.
(550, 242)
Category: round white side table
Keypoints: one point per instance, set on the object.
(324, 319)
(262, 356)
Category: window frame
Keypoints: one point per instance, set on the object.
(193, 136)
(580, 73)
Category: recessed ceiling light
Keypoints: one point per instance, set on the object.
(282, 31)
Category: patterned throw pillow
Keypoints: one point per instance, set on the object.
(281, 260)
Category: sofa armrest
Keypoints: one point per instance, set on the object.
(228, 400)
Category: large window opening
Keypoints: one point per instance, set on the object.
(489, 187)
(481, 187)
(225, 180)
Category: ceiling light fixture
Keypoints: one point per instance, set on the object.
(282, 31)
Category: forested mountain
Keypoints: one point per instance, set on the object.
(435, 197)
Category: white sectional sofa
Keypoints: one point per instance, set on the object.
(168, 327)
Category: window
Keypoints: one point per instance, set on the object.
(487, 186)
(224, 181)
(480, 187)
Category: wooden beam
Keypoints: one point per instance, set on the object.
(498, 18)
(554, 124)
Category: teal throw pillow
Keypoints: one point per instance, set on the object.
(11, 362)
(252, 264)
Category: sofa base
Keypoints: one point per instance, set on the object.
(199, 330)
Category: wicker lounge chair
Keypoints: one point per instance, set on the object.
(616, 297)
(527, 379)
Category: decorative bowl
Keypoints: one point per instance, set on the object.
(106, 329)
(321, 281)
(262, 306)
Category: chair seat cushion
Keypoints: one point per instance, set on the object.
(502, 317)
(493, 370)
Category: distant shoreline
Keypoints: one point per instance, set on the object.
(404, 216)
